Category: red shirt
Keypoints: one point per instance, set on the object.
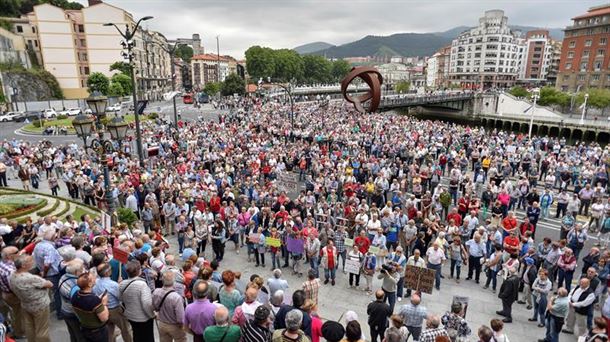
(462, 205)
(526, 227)
(509, 223)
(511, 244)
(457, 218)
(363, 244)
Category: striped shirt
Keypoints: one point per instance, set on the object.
(137, 300)
(252, 332)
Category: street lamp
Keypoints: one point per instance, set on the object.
(584, 110)
(97, 102)
(117, 127)
(171, 52)
(128, 35)
(535, 96)
(287, 89)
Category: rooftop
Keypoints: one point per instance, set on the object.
(594, 12)
(209, 57)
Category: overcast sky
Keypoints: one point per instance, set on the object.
(289, 23)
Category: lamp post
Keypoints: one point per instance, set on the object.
(117, 128)
(584, 110)
(535, 97)
(287, 89)
(97, 102)
(171, 51)
(128, 35)
(572, 98)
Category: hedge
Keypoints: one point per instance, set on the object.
(43, 213)
(27, 211)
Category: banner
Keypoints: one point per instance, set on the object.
(352, 266)
(273, 242)
(419, 278)
(295, 246)
(349, 242)
(121, 255)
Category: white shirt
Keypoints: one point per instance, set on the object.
(435, 257)
(132, 203)
(575, 295)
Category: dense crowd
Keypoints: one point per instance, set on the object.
(380, 191)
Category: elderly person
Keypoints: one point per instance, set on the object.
(276, 282)
(33, 292)
(200, 313)
(436, 258)
(170, 307)
(413, 315)
(91, 310)
(137, 299)
(509, 292)
(258, 329)
(222, 331)
(433, 330)
(7, 268)
(116, 318)
(47, 261)
(292, 332)
(67, 289)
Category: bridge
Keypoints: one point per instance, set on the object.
(456, 101)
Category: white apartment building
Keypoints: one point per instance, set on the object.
(486, 56)
(206, 68)
(74, 43)
(393, 72)
(432, 70)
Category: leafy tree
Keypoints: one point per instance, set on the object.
(317, 69)
(121, 67)
(402, 86)
(212, 88)
(518, 91)
(339, 69)
(10, 8)
(124, 81)
(598, 98)
(260, 62)
(551, 96)
(127, 216)
(98, 82)
(185, 52)
(233, 84)
(5, 24)
(288, 65)
(116, 89)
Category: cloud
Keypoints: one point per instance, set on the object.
(289, 23)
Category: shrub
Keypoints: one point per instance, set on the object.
(61, 116)
(36, 123)
(127, 216)
(153, 116)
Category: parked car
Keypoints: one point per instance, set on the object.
(10, 116)
(88, 111)
(49, 113)
(71, 112)
(29, 116)
(114, 108)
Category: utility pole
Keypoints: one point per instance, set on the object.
(217, 60)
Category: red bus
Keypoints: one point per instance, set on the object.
(187, 98)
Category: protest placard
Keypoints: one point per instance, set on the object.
(352, 266)
(419, 278)
(121, 255)
(295, 246)
(349, 242)
(273, 242)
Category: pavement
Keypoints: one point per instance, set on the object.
(334, 301)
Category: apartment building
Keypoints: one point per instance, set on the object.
(207, 68)
(537, 58)
(486, 56)
(585, 55)
(437, 68)
(13, 49)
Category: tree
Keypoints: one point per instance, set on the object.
(317, 69)
(233, 84)
(98, 82)
(288, 65)
(124, 81)
(185, 52)
(122, 67)
(116, 89)
(260, 62)
(212, 88)
(339, 69)
(402, 86)
(550, 96)
(518, 91)
(598, 98)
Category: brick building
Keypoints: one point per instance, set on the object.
(585, 54)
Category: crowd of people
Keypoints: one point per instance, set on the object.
(380, 192)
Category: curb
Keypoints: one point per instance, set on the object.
(24, 132)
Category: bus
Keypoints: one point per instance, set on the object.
(187, 98)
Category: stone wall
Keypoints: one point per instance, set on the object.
(30, 87)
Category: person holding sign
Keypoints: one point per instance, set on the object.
(354, 259)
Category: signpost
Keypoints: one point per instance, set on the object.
(419, 278)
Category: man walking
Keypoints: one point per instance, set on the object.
(378, 312)
(476, 251)
(509, 292)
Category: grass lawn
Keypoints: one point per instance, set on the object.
(129, 118)
(78, 212)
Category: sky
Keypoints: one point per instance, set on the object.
(290, 23)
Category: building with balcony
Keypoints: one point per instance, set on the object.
(393, 73)
(585, 54)
(486, 56)
(537, 58)
(206, 68)
(13, 49)
(437, 68)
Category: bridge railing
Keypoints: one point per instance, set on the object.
(548, 120)
(423, 100)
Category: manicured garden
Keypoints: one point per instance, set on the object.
(34, 127)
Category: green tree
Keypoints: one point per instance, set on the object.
(551, 96)
(121, 67)
(518, 91)
(288, 65)
(339, 69)
(598, 98)
(185, 52)
(10, 8)
(233, 84)
(124, 81)
(402, 86)
(98, 82)
(212, 88)
(116, 89)
(260, 62)
(5, 24)
(317, 69)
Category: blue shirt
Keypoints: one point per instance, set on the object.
(107, 284)
(45, 254)
(114, 266)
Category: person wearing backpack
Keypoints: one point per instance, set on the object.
(169, 306)
(137, 301)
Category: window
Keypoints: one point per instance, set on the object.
(594, 77)
(580, 77)
(600, 52)
(603, 41)
(571, 54)
(572, 44)
(583, 66)
(33, 29)
(598, 66)
(568, 66)
(608, 78)
(566, 77)
(585, 53)
(19, 28)
(86, 70)
(35, 43)
(81, 28)
(83, 43)
(588, 42)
